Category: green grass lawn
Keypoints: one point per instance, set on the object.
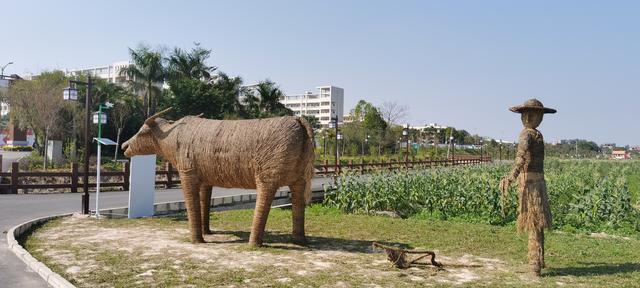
(155, 252)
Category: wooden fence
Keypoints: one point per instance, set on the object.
(413, 163)
(72, 180)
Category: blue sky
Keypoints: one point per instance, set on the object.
(460, 63)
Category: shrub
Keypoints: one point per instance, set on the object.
(17, 148)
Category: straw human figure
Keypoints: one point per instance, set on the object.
(534, 213)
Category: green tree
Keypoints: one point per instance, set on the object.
(124, 106)
(269, 95)
(313, 121)
(192, 96)
(367, 120)
(145, 75)
(192, 64)
(37, 104)
(227, 90)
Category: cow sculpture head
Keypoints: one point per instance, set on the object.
(144, 142)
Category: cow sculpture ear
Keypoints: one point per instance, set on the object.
(151, 121)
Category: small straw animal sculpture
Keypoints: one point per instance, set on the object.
(399, 257)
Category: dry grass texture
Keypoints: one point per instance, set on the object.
(262, 154)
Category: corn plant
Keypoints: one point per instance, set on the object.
(588, 195)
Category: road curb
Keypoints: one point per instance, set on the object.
(52, 278)
(218, 204)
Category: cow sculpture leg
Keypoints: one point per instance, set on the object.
(205, 205)
(297, 207)
(191, 191)
(266, 193)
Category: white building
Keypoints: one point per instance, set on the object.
(431, 126)
(327, 103)
(4, 88)
(110, 73)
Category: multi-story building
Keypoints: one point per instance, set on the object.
(609, 146)
(431, 126)
(110, 73)
(327, 103)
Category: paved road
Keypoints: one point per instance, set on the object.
(11, 156)
(16, 209)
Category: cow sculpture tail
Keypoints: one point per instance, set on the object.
(309, 159)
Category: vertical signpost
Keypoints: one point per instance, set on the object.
(142, 186)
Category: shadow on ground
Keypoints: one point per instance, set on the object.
(595, 269)
(284, 241)
(281, 240)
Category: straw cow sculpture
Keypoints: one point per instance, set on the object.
(262, 154)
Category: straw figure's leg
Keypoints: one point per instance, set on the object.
(205, 205)
(191, 189)
(536, 251)
(297, 206)
(266, 192)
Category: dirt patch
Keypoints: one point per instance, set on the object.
(605, 235)
(85, 250)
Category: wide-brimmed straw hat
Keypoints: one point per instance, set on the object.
(532, 104)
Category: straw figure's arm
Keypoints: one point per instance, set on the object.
(523, 147)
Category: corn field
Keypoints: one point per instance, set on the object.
(584, 195)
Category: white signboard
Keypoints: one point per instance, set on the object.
(142, 181)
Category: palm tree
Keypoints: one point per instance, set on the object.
(228, 88)
(190, 64)
(269, 100)
(146, 75)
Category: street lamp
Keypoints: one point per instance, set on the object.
(437, 142)
(366, 141)
(405, 134)
(71, 94)
(453, 147)
(481, 149)
(100, 118)
(2, 70)
(334, 125)
(339, 137)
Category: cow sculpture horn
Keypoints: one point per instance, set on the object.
(152, 120)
